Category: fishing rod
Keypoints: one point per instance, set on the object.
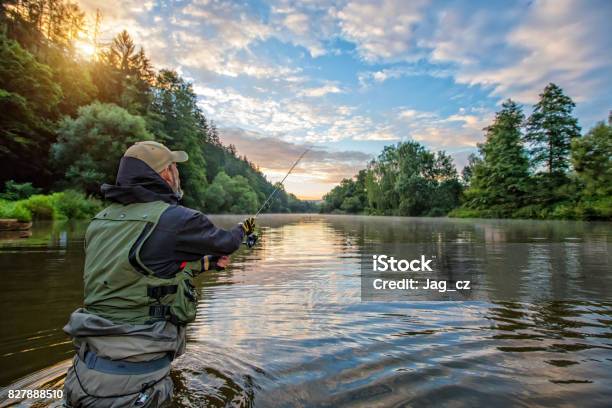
(251, 239)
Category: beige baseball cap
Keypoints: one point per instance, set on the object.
(155, 154)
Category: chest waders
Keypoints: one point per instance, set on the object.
(118, 285)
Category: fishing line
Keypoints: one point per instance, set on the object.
(282, 181)
(251, 239)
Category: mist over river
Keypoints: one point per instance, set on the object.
(285, 324)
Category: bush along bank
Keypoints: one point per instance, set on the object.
(62, 205)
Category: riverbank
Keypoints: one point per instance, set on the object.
(581, 210)
(598, 210)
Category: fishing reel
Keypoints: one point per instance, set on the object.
(251, 240)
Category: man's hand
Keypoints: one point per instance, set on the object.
(222, 262)
(218, 262)
(248, 226)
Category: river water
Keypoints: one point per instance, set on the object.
(285, 325)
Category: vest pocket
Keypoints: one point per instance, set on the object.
(185, 301)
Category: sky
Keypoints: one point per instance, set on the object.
(349, 77)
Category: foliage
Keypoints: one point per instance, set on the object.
(231, 194)
(89, 147)
(347, 197)
(179, 122)
(74, 79)
(67, 204)
(550, 130)
(499, 180)
(468, 170)
(592, 160)
(17, 191)
(41, 207)
(73, 204)
(501, 185)
(28, 102)
(406, 179)
(14, 210)
(462, 212)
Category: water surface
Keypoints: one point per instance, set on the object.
(285, 325)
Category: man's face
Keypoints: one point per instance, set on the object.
(173, 179)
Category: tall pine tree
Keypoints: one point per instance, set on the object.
(499, 181)
(550, 130)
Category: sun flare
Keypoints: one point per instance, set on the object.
(85, 48)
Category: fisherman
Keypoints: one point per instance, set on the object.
(141, 254)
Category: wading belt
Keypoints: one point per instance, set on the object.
(119, 367)
(104, 365)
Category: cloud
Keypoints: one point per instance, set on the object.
(413, 114)
(205, 37)
(199, 53)
(380, 134)
(296, 120)
(381, 30)
(560, 41)
(463, 129)
(371, 78)
(306, 24)
(266, 115)
(320, 91)
(275, 156)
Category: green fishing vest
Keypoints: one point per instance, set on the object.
(118, 285)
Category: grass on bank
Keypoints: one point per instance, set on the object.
(62, 205)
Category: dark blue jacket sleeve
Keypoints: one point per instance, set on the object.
(183, 234)
(200, 236)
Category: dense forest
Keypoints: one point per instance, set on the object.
(66, 119)
(535, 167)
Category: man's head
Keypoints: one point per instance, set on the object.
(161, 159)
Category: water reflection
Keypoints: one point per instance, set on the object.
(284, 326)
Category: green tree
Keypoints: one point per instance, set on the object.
(123, 55)
(41, 25)
(123, 75)
(90, 146)
(550, 130)
(28, 108)
(351, 205)
(18, 191)
(372, 189)
(179, 122)
(74, 80)
(230, 194)
(498, 183)
(343, 198)
(425, 181)
(592, 160)
(406, 179)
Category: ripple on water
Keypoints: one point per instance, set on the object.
(284, 326)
